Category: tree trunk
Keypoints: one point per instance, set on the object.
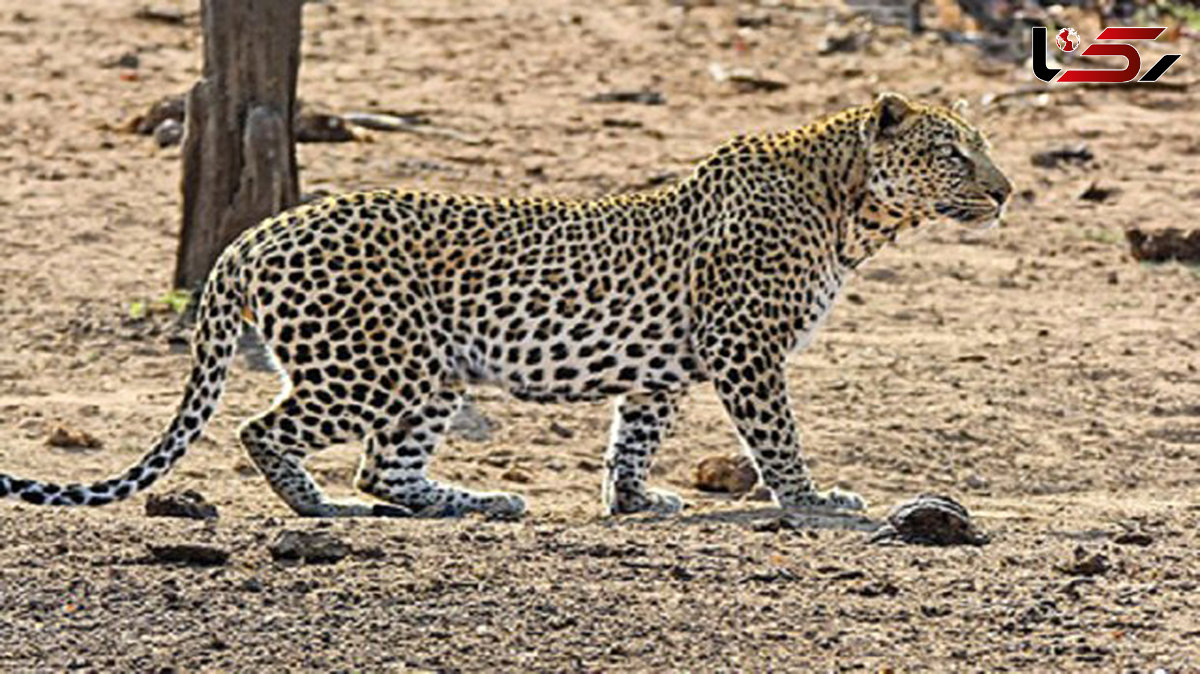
(239, 152)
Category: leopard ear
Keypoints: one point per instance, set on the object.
(960, 107)
(888, 115)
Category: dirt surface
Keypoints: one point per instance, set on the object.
(1035, 372)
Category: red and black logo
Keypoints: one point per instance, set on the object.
(1068, 41)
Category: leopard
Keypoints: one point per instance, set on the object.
(380, 308)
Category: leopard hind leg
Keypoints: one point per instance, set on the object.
(397, 457)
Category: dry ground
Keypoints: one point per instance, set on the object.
(1035, 371)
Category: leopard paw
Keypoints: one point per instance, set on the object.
(834, 498)
(459, 503)
(351, 508)
(657, 501)
(504, 506)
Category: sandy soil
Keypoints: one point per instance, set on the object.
(1035, 371)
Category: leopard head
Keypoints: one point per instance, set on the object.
(926, 163)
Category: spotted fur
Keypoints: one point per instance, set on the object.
(381, 306)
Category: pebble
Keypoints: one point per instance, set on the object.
(190, 553)
(728, 474)
(517, 475)
(73, 438)
(1135, 537)
(168, 133)
(188, 504)
(310, 547)
(1087, 564)
(930, 519)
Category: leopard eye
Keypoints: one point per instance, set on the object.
(955, 154)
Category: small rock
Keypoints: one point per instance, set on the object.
(169, 133)
(190, 504)
(171, 107)
(1164, 245)
(72, 438)
(1134, 537)
(752, 20)
(614, 123)
(320, 127)
(517, 475)
(643, 97)
(727, 474)
(251, 585)
(1070, 154)
(930, 519)
(190, 553)
(1096, 193)
(1113, 279)
(311, 547)
(1087, 564)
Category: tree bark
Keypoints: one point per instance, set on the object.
(239, 151)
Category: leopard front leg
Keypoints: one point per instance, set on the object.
(640, 422)
(751, 385)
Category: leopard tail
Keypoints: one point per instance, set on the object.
(218, 326)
